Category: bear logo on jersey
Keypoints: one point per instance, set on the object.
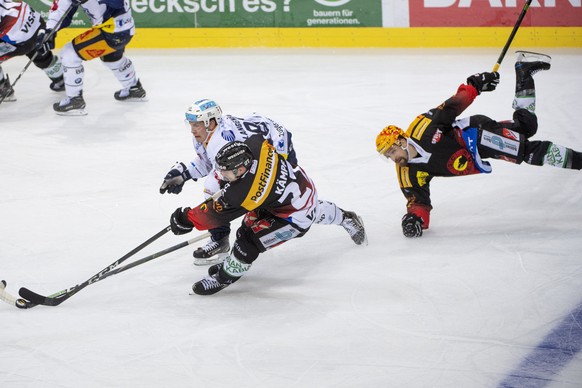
(461, 163)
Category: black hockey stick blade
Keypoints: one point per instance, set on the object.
(52, 300)
(8, 298)
(59, 297)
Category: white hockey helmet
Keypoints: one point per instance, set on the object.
(204, 110)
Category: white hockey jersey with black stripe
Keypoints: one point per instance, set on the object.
(233, 128)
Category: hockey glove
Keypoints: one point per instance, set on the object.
(175, 178)
(412, 225)
(179, 221)
(44, 45)
(484, 82)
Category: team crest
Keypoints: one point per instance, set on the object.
(228, 135)
(461, 163)
(217, 206)
(84, 34)
(94, 53)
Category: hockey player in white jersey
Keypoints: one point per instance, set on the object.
(211, 130)
(19, 28)
(113, 28)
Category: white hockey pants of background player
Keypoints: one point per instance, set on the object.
(74, 72)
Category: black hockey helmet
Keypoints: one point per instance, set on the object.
(233, 155)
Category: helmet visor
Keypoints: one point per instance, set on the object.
(227, 175)
(191, 117)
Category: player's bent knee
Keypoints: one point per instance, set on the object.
(69, 56)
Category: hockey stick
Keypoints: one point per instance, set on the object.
(156, 255)
(46, 39)
(32, 299)
(512, 35)
(59, 297)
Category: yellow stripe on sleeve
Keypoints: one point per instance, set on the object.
(403, 177)
(264, 178)
(418, 126)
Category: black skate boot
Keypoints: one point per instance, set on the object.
(526, 66)
(71, 106)
(213, 269)
(6, 90)
(212, 284)
(354, 225)
(134, 93)
(213, 252)
(57, 84)
(221, 276)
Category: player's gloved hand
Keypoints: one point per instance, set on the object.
(484, 82)
(44, 44)
(412, 225)
(179, 221)
(175, 178)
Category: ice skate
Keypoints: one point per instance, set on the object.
(213, 252)
(6, 90)
(527, 64)
(530, 56)
(57, 84)
(71, 106)
(212, 284)
(134, 93)
(354, 225)
(213, 269)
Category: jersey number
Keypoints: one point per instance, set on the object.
(259, 128)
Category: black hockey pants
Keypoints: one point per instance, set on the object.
(509, 140)
(260, 231)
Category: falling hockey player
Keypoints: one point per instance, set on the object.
(439, 144)
(113, 28)
(211, 130)
(19, 28)
(277, 199)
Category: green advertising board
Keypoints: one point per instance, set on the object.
(244, 13)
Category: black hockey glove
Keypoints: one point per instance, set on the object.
(44, 45)
(412, 225)
(175, 178)
(484, 82)
(179, 221)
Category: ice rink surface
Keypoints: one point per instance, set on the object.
(490, 296)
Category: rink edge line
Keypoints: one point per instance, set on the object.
(562, 37)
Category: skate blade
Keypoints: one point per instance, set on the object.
(134, 99)
(75, 112)
(530, 56)
(210, 261)
(11, 98)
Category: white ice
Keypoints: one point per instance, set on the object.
(462, 306)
